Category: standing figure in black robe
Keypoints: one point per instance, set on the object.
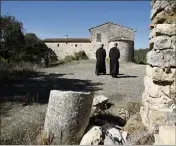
(100, 64)
(114, 55)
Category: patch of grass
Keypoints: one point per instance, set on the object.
(138, 133)
(20, 125)
(14, 71)
(134, 124)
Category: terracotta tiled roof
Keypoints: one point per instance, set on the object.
(68, 40)
(113, 24)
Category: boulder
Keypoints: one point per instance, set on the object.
(93, 137)
(67, 116)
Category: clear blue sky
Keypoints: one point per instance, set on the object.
(74, 18)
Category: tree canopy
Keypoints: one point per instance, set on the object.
(17, 46)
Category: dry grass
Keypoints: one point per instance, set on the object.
(138, 134)
(133, 107)
(134, 124)
(20, 125)
(15, 71)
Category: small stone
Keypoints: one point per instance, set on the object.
(165, 29)
(162, 42)
(93, 137)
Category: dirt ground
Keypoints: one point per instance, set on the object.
(24, 103)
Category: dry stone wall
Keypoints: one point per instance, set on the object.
(159, 101)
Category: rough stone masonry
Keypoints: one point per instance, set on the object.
(159, 101)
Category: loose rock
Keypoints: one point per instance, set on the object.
(99, 100)
(93, 137)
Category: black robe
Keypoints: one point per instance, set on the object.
(114, 55)
(100, 64)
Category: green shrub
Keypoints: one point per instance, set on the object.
(68, 58)
(81, 55)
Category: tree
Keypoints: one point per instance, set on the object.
(12, 37)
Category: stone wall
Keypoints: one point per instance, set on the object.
(159, 101)
(65, 49)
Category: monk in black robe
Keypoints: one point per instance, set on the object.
(114, 55)
(100, 64)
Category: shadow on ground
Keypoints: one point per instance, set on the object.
(119, 76)
(36, 88)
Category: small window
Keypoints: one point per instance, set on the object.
(75, 45)
(98, 37)
(58, 45)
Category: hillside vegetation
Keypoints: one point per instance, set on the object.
(140, 56)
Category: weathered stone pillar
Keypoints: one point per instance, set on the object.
(67, 116)
(160, 81)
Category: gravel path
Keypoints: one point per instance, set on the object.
(129, 86)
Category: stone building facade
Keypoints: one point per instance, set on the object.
(107, 33)
(159, 97)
